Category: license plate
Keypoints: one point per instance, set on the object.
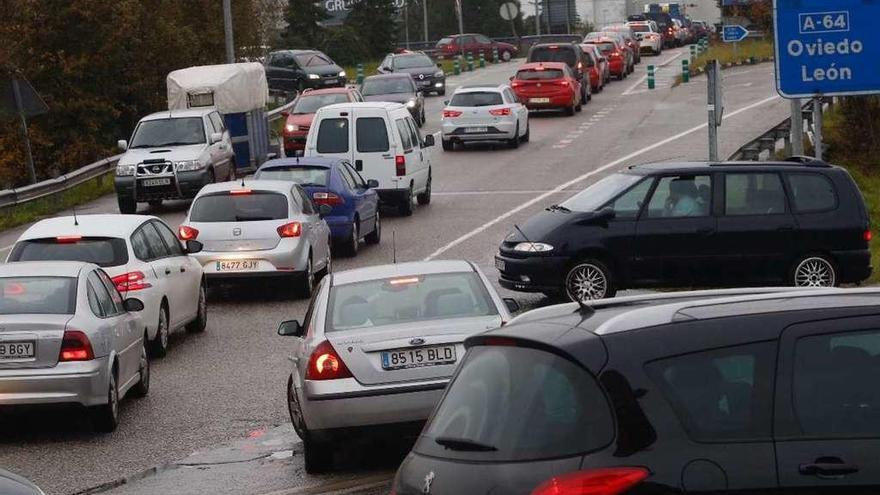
(16, 350)
(331, 81)
(474, 130)
(236, 265)
(424, 83)
(418, 358)
(156, 182)
(499, 264)
(540, 100)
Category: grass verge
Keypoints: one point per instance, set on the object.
(39, 208)
(746, 52)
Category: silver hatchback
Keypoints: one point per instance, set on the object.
(378, 345)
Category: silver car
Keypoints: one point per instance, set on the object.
(263, 228)
(484, 113)
(68, 337)
(378, 345)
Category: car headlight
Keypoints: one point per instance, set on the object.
(342, 73)
(291, 128)
(439, 73)
(314, 76)
(533, 247)
(124, 170)
(411, 104)
(189, 165)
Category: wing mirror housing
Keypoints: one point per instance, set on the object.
(133, 305)
(193, 247)
(372, 183)
(429, 140)
(285, 114)
(216, 137)
(291, 328)
(122, 144)
(512, 305)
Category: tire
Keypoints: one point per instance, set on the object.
(525, 138)
(423, 118)
(569, 110)
(589, 280)
(142, 388)
(514, 142)
(127, 206)
(159, 343)
(105, 418)
(318, 456)
(578, 107)
(306, 283)
(814, 270)
(405, 207)
(201, 322)
(352, 243)
(211, 177)
(375, 236)
(448, 145)
(442, 92)
(231, 176)
(294, 411)
(424, 198)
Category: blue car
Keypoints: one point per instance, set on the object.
(334, 182)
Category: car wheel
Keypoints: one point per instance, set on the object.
(105, 418)
(211, 177)
(814, 271)
(424, 199)
(406, 206)
(353, 241)
(127, 206)
(201, 322)
(307, 280)
(448, 145)
(578, 107)
(423, 117)
(376, 235)
(589, 280)
(442, 92)
(294, 410)
(569, 110)
(506, 56)
(514, 142)
(231, 176)
(526, 136)
(142, 389)
(318, 457)
(159, 344)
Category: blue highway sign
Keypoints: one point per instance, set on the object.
(734, 33)
(827, 48)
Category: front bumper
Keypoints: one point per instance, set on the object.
(185, 185)
(531, 274)
(288, 258)
(82, 382)
(325, 82)
(295, 141)
(500, 130)
(430, 84)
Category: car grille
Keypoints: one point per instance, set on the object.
(154, 167)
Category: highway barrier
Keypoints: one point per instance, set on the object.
(685, 71)
(651, 82)
(360, 74)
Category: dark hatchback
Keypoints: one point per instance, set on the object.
(428, 76)
(799, 223)
(709, 394)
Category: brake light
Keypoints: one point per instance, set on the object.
(75, 346)
(68, 239)
(563, 83)
(580, 65)
(867, 235)
(187, 233)
(327, 198)
(292, 229)
(515, 84)
(325, 364)
(500, 112)
(400, 165)
(130, 281)
(238, 192)
(447, 114)
(604, 481)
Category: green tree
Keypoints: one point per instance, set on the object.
(374, 21)
(303, 24)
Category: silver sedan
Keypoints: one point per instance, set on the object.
(377, 347)
(68, 337)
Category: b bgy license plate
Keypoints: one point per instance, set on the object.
(237, 265)
(16, 350)
(331, 81)
(417, 358)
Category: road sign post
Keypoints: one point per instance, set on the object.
(482, 59)
(797, 127)
(715, 106)
(470, 62)
(817, 128)
(456, 66)
(494, 54)
(693, 52)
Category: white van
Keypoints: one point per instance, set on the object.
(383, 142)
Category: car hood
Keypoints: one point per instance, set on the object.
(172, 153)
(541, 227)
(301, 119)
(393, 97)
(324, 70)
(427, 71)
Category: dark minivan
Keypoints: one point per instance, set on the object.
(570, 54)
(706, 394)
(800, 223)
(295, 70)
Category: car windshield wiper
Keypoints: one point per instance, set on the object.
(239, 218)
(558, 207)
(309, 184)
(464, 444)
(176, 143)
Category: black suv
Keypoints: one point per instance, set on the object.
(669, 394)
(800, 223)
(295, 70)
(570, 54)
(428, 75)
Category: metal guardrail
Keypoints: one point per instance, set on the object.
(11, 197)
(764, 146)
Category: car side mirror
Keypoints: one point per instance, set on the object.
(285, 114)
(446, 102)
(122, 144)
(291, 328)
(605, 214)
(511, 78)
(193, 247)
(439, 65)
(512, 305)
(324, 210)
(216, 137)
(133, 305)
(372, 183)
(429, 141)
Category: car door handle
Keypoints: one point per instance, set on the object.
(785, 228)
(705, 231)
(167, 271)
(828, 467)
(182, 269)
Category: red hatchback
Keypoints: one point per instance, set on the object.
(299, 119)
(543, 85)
(614, 53)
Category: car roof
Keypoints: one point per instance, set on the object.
(44, 268)
(296, 52)
(546, 65)
(381, 105)
(400, 270)
(104, 225)
(394, 75)
(179, 114)
(280, 186)
(473, 88)
(305, 161)
(686, 167)
(327, 91)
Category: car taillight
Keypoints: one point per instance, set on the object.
(240, 192)
(562, 83)
(603, 481)
(400, 165)
(130, 281)
(867, 235)
(447, 114)
(75, 346)
(580, 65)
(327, 198)
(515, 84)
(500, 112)
(187, 233)
(292, 229)
(325, 364)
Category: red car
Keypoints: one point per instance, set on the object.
(543, 85)
(456, 44)
(299, 119)
(617, 62)
(598, 67)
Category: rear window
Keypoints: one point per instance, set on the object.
(605, 47)
(375, 303)
(253, 207)
(312, 103)
(37, 295)
(304, 176)
(812, 193)
(333, 136)
(520, 404)
(372, 136)
(445, 41)
(482, 99)
(102, 251)
(640, 28)
(536, 75)
(560, 54)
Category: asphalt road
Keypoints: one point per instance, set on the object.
(227, 385)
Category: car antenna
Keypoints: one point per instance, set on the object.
(75, 220)
(242, 181)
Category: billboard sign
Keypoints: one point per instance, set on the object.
(337, 10)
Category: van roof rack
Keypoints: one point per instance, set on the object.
(794, 161)
(807, 160)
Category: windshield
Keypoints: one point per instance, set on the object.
(102, 251)
(312, 60)
(387, 86)
(311, 103)
(482, 99)
(518, 404)
(306, 176)
(250, 207)
(412, 61)
(37, 295)
(169, 132)
(376, 303)
(551, 54)
(603, 191)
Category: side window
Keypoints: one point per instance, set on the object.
(347, 177)
(681, 196)
(628, 204)
(218, 122)
(830, 395)
(333, 136)
(358, 180)
(372, 136)
(753, 194)
(405, 135)
(139, 246)
(308, 207)
(93, 299)
(107, 307)
(414, 135)
(115, 296)
(723, 394)
(154, 240)
(812, 193)
(483, 40)
(209, 124)
(170, 239)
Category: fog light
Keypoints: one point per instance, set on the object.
(525, 278)
(438, 85)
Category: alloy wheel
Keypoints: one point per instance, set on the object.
(586, 282)
(814, 271)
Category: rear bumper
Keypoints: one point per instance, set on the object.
(617, 67)
(186, 186)
(340, 226)
(392, 196)
(494, 130)
(84, 383)
(854, 266)
(287, 259)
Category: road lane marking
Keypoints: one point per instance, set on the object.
(500, 192)
(580, 178)
(645, 77)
